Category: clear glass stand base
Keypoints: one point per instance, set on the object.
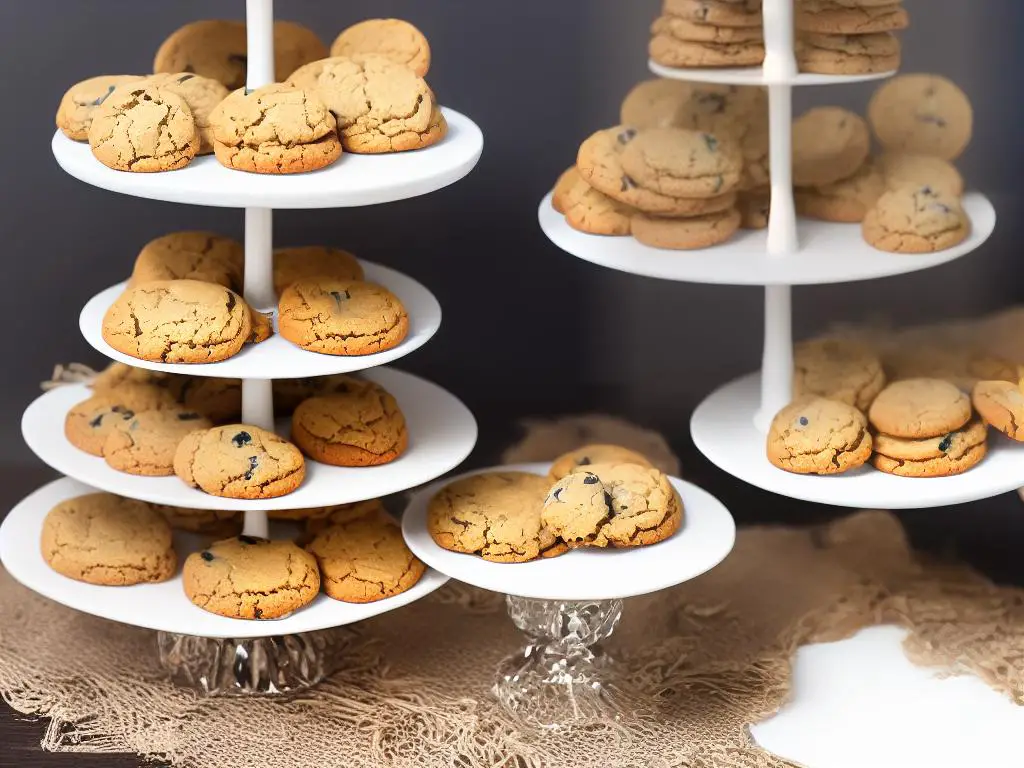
(254, 666)
(560, 680)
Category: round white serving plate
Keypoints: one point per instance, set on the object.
(756, 76)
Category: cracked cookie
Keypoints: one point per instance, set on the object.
(395, 39)
(654, 103)
(145, 444)
(178, 321)
(365, 559)
(495, 515)
(203, 256)
(576, 509)
(1001, 404)
(848, 200)
(380, 106)
(837, 369)
(719, 13)
(847, 54)
(238, 461)
(685, 234)
(313, 262)
(902, 169)
(922, 114)
(595, 453)
(916, 220)
(274, 129)
(342, 317)
(88, 423)
(918, 408)
(644, 507)
(250, 578)
(829, 144)
(815, 436)
(201, 94)
(587, 210)
(104, 539)
(81, 100)
(838, 19)
(678, 162)
(954, 447)
(143, 129)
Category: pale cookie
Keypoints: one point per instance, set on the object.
(203, 256)
(218, 399)
(943, 466)
(143, 129)
(396, 39)
(201, 94)
(239, 461)
(715, 12)
(918, 408)
(916, 220)
(724, 110)
(847, 54)
(324, 517)
(361, 427)
(686, 30)
(81, 100)
(1001, 404)
(104, 539)
(754, 207)
(644, 507)
(206, 522)
(837, 369)
(673, 52)
(495, 515)
(654, 103)
(312, 262)
(342, 317)
(863, 20)
(274, 129)
(145, 444)
(829, 144)
(288, 393)
(218, 49)
(685, 234)
(848, 200)
(178, 321)
(595, 453)
(380, 106)
(954, 445)
(922, 114)
(900, 169)
(559, 196)
(88, 423)
(577, 508)
(588, 210)
(365, 559)
(815, 436)
(249, 578)
(678, 162)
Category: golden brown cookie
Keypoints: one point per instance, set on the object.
(654, 103)
(116, 374)
(395, 39)
(842, 19)
(919, 408)
(754, 207)
(324, 517)
(596, 453)
(203, 256)
(837, 369)
(670, 51)
(288, 393)
(143, 129)
(922, 114)
(312, 262)
(692, 31)
(829, 144)
(1001, 404)
(145, 444)
(342, 317)
(719, 13)
(218, 399)
(81, 100)
(901, 169)
(201, 94)
(678, 162)
(952, 446)
(577, 508)
(644, 507)
(262, 326)
(206, 522)
(839, 54)
(847, 200)
(816, 436)
(685, 234)
(88, 423)
(916, 220)
(590, 211)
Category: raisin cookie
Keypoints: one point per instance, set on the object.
(837, 369)
(577, 508)
(920, 408)
(104, 539)
(203, 256)
(816, 436)
(596, 453)
(829, 144)
(644, 508)
(678, 162)
(342, 317)
(145, 444)
(1001, 404)
(590, 211)
(143, 129)
(916, 220)
(239, 461)
(89, 423)
(395, 39)
(922, 114)
(201, 94)
(250, 578)
(686, 234)
(79, 104)
(312, 262)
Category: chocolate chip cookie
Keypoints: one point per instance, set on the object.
(143, 129)
(203, 256)
(644, 508)
(89, 423)
(145, 444)
(595, 453)
(816, 436)
(201, 94)
(916, 220)
(395, 39)
(922, 114)
(81, 100)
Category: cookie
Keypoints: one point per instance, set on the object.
(939, 467)
(565, 183)
(365, 559)
(593, 212)
(848, 200)
(203, 256)
(1000, 404)
(678, 162)
(395, 39)
(847, 54)
(919, 408)
(673, 52)
(922, 115)
(206, 522)
(324, 517)
(832, 18)
(916, 220)
(342, 317)
(829, 144)
(815, 436)
(178, 321)
(577, 508)
(380, 106)
(686, 30)
(837, 369)
(201, 94)
(654, 103)
(143, 129)
(218, 399)
(754, 208)
(685, 234)
(724, 110)
(88, 424)
(288, 393)
(218, 49)
(116, 374)
(262, 326)
(644, 507)
(312, 262)
(362, 427)
(901, 169)
(274, 129)
(755, 147)
(81, 100)
(953, 446)
(495, 515)
(250, 578)
(145, 444)
(104, 539)
(596, 453)
(720, 13)
(239, 461)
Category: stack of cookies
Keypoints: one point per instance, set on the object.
(708, 33)
(848, 37)
(595, 496)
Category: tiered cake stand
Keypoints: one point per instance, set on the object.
(213, 652)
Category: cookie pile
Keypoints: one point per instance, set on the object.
(367, 96)
(702, 33)
(595, 496)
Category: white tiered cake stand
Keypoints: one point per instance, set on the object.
(212, 652)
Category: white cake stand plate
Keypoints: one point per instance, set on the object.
(861, 702)
(756, 76)
(354, 180)
(442, 433)
(723, 430)
(278, 358)
(163, 606)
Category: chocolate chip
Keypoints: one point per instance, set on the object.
(555, 494)
(947, 441)
(95, 423)
(184, 78)
(626, 136)
(231, 301)
(242, 438)
(249, 539)
(803, 421)
(257, 613)
(584, 462)
(719, 183)
(628, 183)
(608, 502)
(188, 416)
(589, 479)
(711, 142)
(207, 556)
(339, 296)
(101, 99)
(253, 463)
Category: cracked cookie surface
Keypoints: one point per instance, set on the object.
(365, 559)
(81, 100)
(313, 262)
(145, 444)
(88, 423)
(178, 321)
(250, 578)
(239, 461)
(829, 144)
(1001, 404)
(359, 426)
(203, 256)
(342, 317)
(816, 436)
(143, 129)
(916, 220)
(941, 466)
(644, 507)
(922, 114)
(679, 162)
(595, 453)
(201, 94)
(953, 446)
(105, 539)
(837, 369)
(577, 508)
(918, 408)
(396, 39)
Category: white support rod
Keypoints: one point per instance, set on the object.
(259, 30)
(777, 363)
(779, 56)
(259, 258)
(782, 234)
